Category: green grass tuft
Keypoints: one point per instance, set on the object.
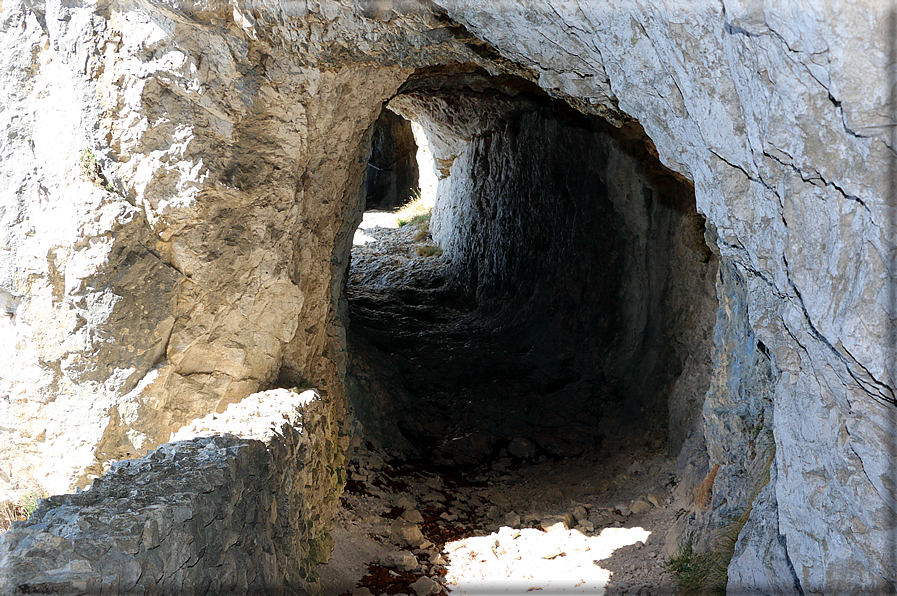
(429, 250)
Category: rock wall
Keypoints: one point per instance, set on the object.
(238, 508)
(179, 191)
(776, 114)
(179, 182)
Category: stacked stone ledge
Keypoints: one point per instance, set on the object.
(237, 503)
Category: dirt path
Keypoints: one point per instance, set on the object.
(589, 526)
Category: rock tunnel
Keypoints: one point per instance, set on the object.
(180, 186)
(573, 302)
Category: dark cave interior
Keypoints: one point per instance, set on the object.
(574, 300)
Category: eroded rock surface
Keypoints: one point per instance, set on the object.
(229, 510)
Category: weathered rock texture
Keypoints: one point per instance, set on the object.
(235, 509)
(180, 181)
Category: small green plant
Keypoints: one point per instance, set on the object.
(88, 163)
(429, 250)
(32, 499)
(9, 512)
(414, 209)
(696, 574)
(707, 573)
(91, 171)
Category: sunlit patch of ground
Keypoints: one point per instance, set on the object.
(516, 561)
(373, 219)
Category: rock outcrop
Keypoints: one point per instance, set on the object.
(228, 511)
(179, 183)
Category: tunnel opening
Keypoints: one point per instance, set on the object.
(572, 305)
(392, 172)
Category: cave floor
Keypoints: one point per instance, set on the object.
(493, 503)
(588, 525)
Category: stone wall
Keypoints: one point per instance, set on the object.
(779, 116)
(236, 504)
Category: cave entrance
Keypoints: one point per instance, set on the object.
(567, 302)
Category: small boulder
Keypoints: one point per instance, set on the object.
(499, 498)
(640, 506)
(403, 561)
(407, 534)
(553, 523)
(426, 586)
(569, 520)
(522, 448)
(512, 520)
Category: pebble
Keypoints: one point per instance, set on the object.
(403, 561)
(405, 503)
(425, 586)
(512, 519)
(622, 510)
(413, 516)
(640, 506)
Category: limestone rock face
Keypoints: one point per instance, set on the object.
(177, 194)
(229, 511)
(179, 183)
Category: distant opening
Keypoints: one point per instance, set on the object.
(392, 174)
(556, 298)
